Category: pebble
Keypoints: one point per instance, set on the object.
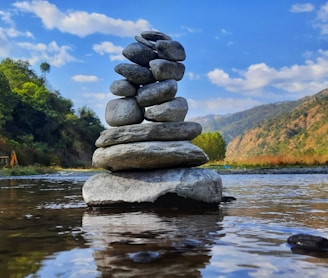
(157, 93)
(155, 35)
(123, 111)
(135, 73)
(163, 69)
(139, 53)
(170, 50)
(123, 88)
(171, 111)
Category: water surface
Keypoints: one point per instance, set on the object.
(46, 230)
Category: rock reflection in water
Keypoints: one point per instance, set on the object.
(151, 243)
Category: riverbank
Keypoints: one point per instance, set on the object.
(272, 171)
(37, 170)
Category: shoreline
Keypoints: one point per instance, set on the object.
(273, 171)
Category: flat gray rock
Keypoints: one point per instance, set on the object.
(145, 42)
(155, 35)
(135, 73)
(123, 111)
(157, 93)
(163, 69)
(149, 155)
(171, 111)
(139, 53)
(167, 131)
(203, 185)
(123, 88)
(170, 50)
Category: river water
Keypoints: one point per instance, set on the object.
(46, 230)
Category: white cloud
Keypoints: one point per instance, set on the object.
(81, 23)
(219, 106)
(54, 54)
(114, 51)
(309, 77)
(85, 78)
(302, 8)
(322, 19)
(193, 76)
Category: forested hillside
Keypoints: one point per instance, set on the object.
(232, 125)
(298, 136)
(41, 125)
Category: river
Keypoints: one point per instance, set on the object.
(46, 230)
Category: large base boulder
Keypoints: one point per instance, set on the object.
(166, 187)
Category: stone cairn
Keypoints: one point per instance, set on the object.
(150, 163)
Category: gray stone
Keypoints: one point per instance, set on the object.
(135, 73)
(157, 93)
(123, 88)
(171, 111)
(155, 35)
(139, 53)
(149, 155)
(163, 69)
(199, 184)
(123, 111)
(145, 42)
(169, 131)
(170, 50)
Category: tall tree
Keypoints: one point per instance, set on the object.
(45, 68)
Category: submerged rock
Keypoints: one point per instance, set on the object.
(309, 242)
(146, 187)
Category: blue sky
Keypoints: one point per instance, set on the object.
(239, 53)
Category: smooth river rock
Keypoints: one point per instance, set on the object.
(157, 93)
(155, 35)
(139, 53)
(145, 42)
(149, 155)
(163, 69)
(170, 111)
(123, 88)
(170, 50)
(123, 111)
(165, 131)
(142, 187)
(135, 73)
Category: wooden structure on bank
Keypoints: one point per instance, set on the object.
(7, 161)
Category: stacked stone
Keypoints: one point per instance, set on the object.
(148, 92)
(162, 147)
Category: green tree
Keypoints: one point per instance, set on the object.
(7, 100)
(41, 125)
(212, 144)
(45, 68)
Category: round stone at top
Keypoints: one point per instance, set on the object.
(155, 35)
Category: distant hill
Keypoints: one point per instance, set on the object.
(233, 125)
(298, 133)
